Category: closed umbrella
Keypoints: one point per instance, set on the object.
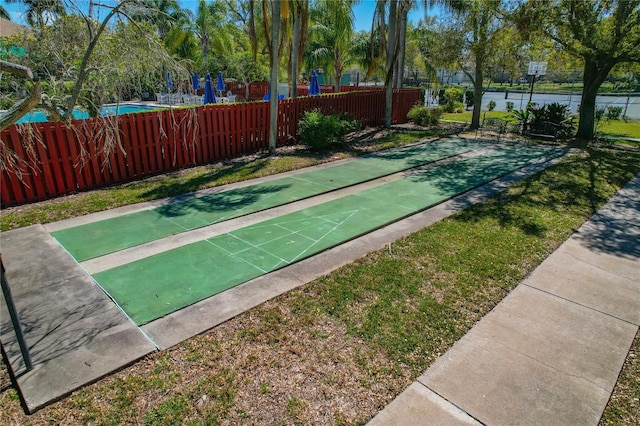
(196, 81)
(314, 87)
(209, 97)
(220, 84)
(169, 82)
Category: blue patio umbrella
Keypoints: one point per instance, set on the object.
(196, 81)
(209, 97)
(220, 83)
(314, 87)
(267, 97)
(169, 82)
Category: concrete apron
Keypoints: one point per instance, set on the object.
(77, 334)
(551, 352)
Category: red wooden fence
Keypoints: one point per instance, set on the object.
(45, 160)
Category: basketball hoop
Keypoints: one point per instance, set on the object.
(537, 68)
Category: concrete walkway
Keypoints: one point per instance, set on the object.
(77, 334)
(550, 353)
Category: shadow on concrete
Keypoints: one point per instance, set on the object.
(615, 229)
(415, 152)
(54, 328)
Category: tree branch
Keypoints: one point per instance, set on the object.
(16, 69)
(21, 108)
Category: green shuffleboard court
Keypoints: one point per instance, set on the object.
(150, 288)
(110, 235)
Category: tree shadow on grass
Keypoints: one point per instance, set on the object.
(580, 184)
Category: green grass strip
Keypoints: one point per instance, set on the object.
(110, 235)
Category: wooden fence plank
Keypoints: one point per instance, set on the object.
(73, 159)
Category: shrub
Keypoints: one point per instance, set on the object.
(554, 116)
(454, 107)
(319, 132)
(492, 105)
(451, 100)
(522, 117)
(424, 116)
(469, 98)
(614, 112)
(450, 95)
(509, 106)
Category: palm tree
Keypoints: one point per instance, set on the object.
(276, 12)
(164, 14)
(245, 13)
(181, 41)
(331, 37)
(215, 30)
(396, 36)
(39, 12)
(366, 52)
(4, 14)
(300, 12)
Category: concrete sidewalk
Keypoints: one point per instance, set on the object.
(550, 353)
(77, 334)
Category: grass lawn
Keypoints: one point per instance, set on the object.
(618, 128)
(465, 117)
(337, 350)
(629, 129)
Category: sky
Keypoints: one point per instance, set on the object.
(363, 12)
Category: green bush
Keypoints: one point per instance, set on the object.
(451, 100)
(492, 105)
(450, 95)
(469, 98)
(320, 132)
(509, 106)
(453, 107)
(554, 116)
(424, 116)
(614, 112)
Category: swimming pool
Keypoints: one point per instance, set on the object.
(38, 116)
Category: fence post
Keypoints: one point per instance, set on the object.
(17, 326)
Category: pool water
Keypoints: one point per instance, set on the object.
(38, 116)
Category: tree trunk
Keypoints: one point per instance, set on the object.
(594, 75)
(401, 43)
(337, 73)
(253, 37)
(477, 96)
(391, 56)
(273, 86)
(295, 46)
